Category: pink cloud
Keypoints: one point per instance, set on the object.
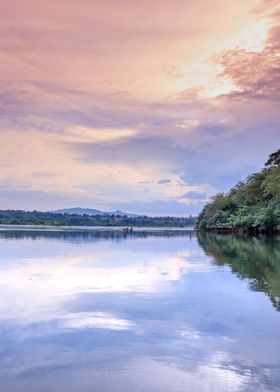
(255, 74)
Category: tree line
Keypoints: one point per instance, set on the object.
(20, 217)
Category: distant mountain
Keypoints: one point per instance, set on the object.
(91, 212)
(79, 211)
(121, 213)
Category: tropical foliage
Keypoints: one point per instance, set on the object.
(252, 205)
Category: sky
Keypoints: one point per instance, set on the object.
(147, 106)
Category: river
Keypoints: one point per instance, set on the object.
(153, 311)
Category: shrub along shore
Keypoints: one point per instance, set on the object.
(252, 206)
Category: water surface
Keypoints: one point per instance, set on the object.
(148, 311)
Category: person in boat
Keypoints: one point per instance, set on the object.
(127, 230)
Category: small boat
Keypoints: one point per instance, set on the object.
(127, 230)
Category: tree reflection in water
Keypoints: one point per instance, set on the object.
(256, 259)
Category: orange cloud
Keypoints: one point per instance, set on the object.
(153, 48)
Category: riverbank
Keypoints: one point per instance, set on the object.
(251, 206)
(249, 231)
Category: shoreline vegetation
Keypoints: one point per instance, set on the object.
(38, 218)
(252, 206)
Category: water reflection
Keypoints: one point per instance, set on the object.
(105, 311)
(93, 235)
(254, 258)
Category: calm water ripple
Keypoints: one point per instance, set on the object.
(147, 311)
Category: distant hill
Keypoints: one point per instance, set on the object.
(92, 212)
